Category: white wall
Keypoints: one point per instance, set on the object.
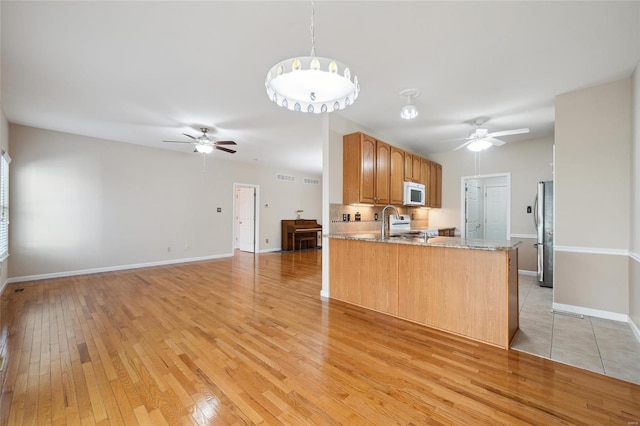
(80, 203)
(634, 260)
(528, 162)
(592, 199)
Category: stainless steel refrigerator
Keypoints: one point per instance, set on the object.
(543, 219)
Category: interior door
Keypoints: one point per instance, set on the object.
(473, 210)
(495, 216)
(245, 218)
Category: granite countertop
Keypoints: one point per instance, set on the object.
(451, 242)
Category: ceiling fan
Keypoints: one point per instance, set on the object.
(481, 139)
(205, 145)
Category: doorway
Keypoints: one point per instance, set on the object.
(246, 220)
(486, 201)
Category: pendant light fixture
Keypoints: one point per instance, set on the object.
(311, 83)
(409, 111)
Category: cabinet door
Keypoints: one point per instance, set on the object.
(425, 179)
(433, 171)
(417, 161)
(368, 170)
(397, 176)
(438, 186)
(382, 172)
(408, 167)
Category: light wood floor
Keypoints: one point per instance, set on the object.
(248, 340)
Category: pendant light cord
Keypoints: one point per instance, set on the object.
(313, 29)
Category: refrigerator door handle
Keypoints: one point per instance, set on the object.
(540, 262)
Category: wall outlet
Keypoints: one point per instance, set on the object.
(219, 210)
(267, 241)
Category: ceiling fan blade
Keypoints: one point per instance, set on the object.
(179, 142)
(231, 151)
(495, 142)
(509, 132)
(463, 145)
(226, 143)
(189, 136)
(451, 140)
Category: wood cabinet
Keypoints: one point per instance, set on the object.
(374, 172)
(434, 191)
(396, 188)
(412, 168)
(366, 170)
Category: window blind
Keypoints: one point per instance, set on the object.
(4, 205)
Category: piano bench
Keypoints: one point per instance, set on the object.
(307, 238)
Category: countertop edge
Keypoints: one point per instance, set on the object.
(448, 242)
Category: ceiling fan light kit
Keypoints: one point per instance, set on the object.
(479, 145)
(409, 111)
(204, 148)
(311, 83)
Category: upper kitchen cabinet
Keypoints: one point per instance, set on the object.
(435, 185)
(412, 170)
(374, 172)
(396, 188)
(366, 170)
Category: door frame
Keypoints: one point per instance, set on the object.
(463, 181)
(256, 216)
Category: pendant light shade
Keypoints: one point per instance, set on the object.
(311, 83)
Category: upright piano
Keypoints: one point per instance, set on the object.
(298, 233)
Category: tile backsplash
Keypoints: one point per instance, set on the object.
(368, 222)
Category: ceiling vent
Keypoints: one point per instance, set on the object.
(286, 178)
(312, 181)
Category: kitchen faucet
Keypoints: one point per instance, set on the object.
(383, 217)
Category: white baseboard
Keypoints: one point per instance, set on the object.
(614, 316)
(3, 286)
(271, 250)
(525, 272)
(324, 294)
(113, 268)
(635, 329)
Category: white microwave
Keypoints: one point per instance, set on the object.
(414, 194)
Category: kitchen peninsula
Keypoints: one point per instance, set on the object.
(462, 286)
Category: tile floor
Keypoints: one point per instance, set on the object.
(600, 345)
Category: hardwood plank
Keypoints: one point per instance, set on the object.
(248, 340)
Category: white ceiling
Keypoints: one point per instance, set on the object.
(144, 72)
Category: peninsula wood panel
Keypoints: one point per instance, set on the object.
(364, 274)
(458, 290)
(248, 340)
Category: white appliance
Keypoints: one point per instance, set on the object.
(414, 194)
